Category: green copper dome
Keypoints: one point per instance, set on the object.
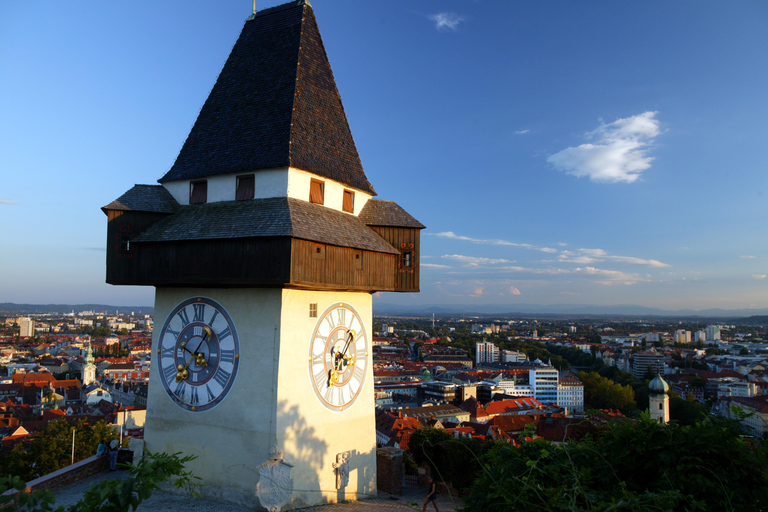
(658, 386)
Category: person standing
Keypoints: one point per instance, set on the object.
(432, 496)
(114, 446)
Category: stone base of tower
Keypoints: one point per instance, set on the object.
(271, 402)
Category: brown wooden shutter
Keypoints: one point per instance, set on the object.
(246, 186)
(316, 192)
(349, 202)
(199, 192)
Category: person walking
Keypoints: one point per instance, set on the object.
(114, 446)
(432, 496)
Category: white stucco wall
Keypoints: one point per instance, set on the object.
(305, 426)
(282, 182)
(271, 402)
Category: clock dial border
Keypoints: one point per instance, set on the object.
(328, 335)
(185, 324)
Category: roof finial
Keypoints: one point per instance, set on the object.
(252, 16)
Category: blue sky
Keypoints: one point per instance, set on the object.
(595, 152)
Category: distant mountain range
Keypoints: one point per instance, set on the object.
(9, 308)
(443, 310)
(558, 310)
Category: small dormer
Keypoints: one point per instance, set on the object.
(268, 183)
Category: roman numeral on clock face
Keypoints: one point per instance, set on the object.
(199, 312)
(184, 316)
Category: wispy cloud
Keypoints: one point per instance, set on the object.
(434, 265)
(446, 20)
(747, 257)
(759, 276)
(472, 261)
(5, 201)
(521, 132)
(610, 277)
(496, 241)
(589, 256)
(618, 151)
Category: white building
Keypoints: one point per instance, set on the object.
(486, 352)
(508, 387)
(570, 392)
(700, 336)
(543, 382)
(713, 333)
(26, 327)
(511, 356)
(682, 336)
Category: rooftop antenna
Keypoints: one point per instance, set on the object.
(253, 15)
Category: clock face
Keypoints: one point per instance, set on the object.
(338, 357)
(198, 351)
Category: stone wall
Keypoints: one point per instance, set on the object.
(389, 470)
(70, 474)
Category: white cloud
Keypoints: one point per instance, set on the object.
(759, 276)
(514, 291)
(446, 20)
(747, 257)
(618, 152)
(433, 265)
(609, 277)
(491, 241)
(472, 261)
(5, 201)
(589, 256)
(521, 132)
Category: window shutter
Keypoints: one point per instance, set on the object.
(246, 186)
(199, 192)
(316, 192)
(349, 202)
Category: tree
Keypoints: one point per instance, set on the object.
(602, 393)
(50, 448)
(633, 465)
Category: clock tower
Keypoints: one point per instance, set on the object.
(265, 244)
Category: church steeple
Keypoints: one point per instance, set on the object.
(658, 399)
(89, 369)
(274, 105)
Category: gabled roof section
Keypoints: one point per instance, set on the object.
(275, 104)
(387, 213)
(271, 217)
(144, 198)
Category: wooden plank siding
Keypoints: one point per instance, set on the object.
(405, 240)
(122, 227)
(328, 267)
(239, 262)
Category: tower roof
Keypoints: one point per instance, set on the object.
(658, 386)
(275, 104)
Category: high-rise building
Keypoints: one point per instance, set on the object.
(26, 327)
(486, 352)
(644, 360)
(682, 336)
(713, 333)
(543, 382)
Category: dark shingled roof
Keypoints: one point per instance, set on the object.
(272, 217)
(275, 104)
(387, 213)
(145, 198)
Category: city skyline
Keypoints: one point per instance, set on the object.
(607, 154)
